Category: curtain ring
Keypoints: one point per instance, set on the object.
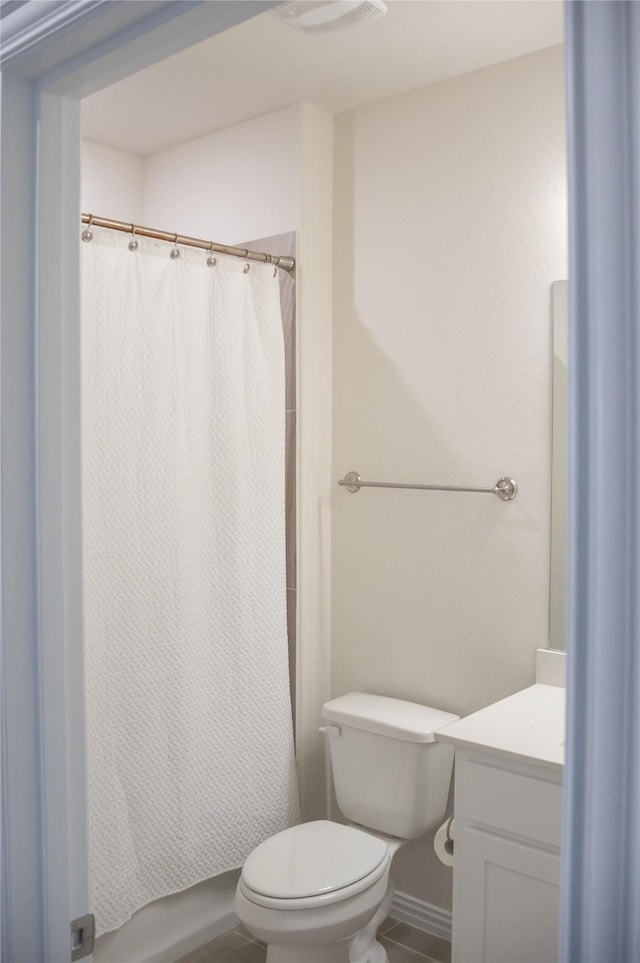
(133, 243)
(87, 234)
(211, 260)
(175, 250)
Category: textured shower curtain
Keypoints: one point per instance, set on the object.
(190, 749)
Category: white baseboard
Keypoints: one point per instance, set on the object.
(424, 916)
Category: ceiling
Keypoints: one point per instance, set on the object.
(263, 64)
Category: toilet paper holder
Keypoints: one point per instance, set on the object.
(449, 844)
(443, 842)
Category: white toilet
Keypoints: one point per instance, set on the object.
(316, 893)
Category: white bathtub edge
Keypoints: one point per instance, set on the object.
(169, 928)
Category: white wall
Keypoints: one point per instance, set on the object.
(112, 183)
(239, 183)
(314, 454)
(450, 228)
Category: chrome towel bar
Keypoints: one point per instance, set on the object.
(505, 488)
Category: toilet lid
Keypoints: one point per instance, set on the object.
(312, 859)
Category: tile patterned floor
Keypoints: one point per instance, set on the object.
(403, 943)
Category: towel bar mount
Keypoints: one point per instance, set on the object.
(505, 488)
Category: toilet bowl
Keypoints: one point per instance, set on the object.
(317, 892)
(310, 890)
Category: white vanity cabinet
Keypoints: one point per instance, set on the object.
(507, 860)
(507, 806)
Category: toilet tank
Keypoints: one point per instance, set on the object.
(390, 775)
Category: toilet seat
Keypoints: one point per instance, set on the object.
(313, 864)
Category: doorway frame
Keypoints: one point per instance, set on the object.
(600, 886)
(50, 60)
(52, 56)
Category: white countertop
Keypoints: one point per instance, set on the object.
(528, 725)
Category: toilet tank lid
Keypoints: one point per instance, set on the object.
(387, 717)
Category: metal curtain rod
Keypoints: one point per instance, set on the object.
(504, 488)
(286, 263)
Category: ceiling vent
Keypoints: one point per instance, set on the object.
(329, 16)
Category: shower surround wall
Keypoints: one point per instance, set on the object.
(285, 244)
(450, 227)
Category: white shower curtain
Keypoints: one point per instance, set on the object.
(190, 749)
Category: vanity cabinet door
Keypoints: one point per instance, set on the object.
(507, 901)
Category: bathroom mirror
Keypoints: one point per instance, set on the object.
(557, 593)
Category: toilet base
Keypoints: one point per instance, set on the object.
(328, 953)
(342, 932)
(375, 954)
